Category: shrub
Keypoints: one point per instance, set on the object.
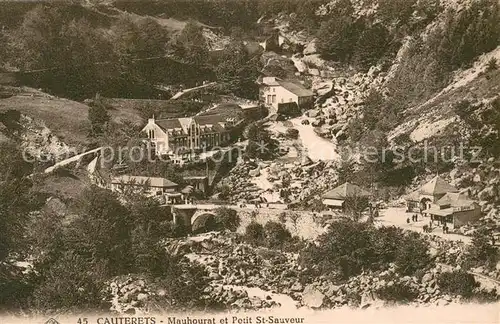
(224, 192)
(349, 248)
(399, 292)
(458, 282)
(182, 281)
(72, 283)
(276, 234)
(412, 254)
(292, 133)
(254, 232)
(282, 217)
(481, 252)
(227, 218)
(492, 64)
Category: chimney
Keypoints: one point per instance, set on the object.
(151, 120)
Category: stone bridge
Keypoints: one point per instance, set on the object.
(195, 216)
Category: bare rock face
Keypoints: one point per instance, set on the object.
(255, 172)
(297, 287)
(312, 297)
(311, 48)
(427, 278)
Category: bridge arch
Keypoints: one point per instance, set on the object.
(202, 220)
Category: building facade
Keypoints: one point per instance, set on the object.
(180, 136)
(166, 191)
(455, 210)
(274, 91)
(429, 193)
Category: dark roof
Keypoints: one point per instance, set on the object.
(294, 88)
(208, 119)
(167, 124)
(346, 190)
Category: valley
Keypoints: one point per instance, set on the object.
(255, 156)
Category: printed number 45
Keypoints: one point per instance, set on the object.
(82, 321)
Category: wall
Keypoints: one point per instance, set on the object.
(462, 218)
(282, 95)
(160, 137)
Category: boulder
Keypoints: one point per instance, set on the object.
(312, 297)
(254, 173)
(427, 278)
(310, 48)
(297, 287)
(313, 113)
(142, 297)
(331, 290)
(314, 72)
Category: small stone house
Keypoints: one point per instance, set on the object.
(275, 92)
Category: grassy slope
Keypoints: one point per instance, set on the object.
(65, 118)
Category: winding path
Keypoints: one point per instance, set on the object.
(183, 92)
(70, 160)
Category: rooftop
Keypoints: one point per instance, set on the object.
(455, 199)
(295, 88)
(437, 186)
(346, 190)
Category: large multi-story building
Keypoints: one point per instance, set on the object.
(176, 136)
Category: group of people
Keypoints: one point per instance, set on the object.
(429, 228)
(414, 218)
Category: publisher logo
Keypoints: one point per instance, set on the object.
(52, 321)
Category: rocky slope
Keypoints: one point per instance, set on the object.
(244, 277)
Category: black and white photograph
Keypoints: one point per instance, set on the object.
(249, 161)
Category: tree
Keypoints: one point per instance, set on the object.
(153, 38)
(373, 109)
(292, 133)
(481, 251)
(337, 37)
(183, 282)
(224, 192)
(276, 234)
(355, 205)
(260, 143)
(98, 117)
(238, 70)
(345, 167)
(227, 218)
(101, 231)
(191, 46)
(49, 34)
(17, 201)
(349, 247)
(127, 37)
(254, 232)
(143, 39)
(412, 254)
(372, 45)
(16, 198)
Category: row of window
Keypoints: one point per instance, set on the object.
(271, 99)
